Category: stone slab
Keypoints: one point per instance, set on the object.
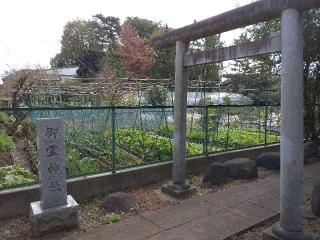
(50, 142)
(49, 220)
(268, 184)
(219, 198)
(235, 194)
(253, 213)
(189, 232)
(129, 229)
(223, 223)
(270, 201)
(178, 214)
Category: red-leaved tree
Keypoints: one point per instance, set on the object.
(134, 52)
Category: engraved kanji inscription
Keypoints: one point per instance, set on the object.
(51, 133)
(54, 187)
(51, 150)
(53, 168)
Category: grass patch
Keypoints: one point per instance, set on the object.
(6, 142)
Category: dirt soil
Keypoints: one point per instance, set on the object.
(91, 215)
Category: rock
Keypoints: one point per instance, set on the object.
(217, 174)
(119, 202)
(269, 160)
(241, 168)
(310, 149)
(315, 202)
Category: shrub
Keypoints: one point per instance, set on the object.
(157, 95)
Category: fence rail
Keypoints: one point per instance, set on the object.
(104, 139)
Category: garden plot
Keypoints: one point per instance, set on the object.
(89, 153)
(225, 138)
(12, 173)
(105, 140)
(151, 147)
(92, 152)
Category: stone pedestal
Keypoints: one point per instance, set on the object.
(278, 233)
(179, 191)
(53, 219)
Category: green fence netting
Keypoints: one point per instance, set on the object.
(106, 139)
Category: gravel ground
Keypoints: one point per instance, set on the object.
(92, 216)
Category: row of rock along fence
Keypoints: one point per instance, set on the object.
(106, 139)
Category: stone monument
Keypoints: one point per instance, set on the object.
(56, 210)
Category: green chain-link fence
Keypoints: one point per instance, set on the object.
(104, 139)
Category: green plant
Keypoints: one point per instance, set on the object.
(226, 100)
(14, 175)
(222, 138)
(92, 152)
(111, 218)
(150, 146)
(78, 165)
(6, 119)
(6, 142)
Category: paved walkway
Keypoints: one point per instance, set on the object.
(214, 216)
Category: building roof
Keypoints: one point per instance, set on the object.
(71, 71)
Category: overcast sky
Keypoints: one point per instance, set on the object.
(31, 29)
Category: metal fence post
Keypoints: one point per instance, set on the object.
(228, 131)
(259, 124)
(113, 125)
(206, 140)
(265, 125)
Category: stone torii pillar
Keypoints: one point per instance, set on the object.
(179, 188)
(291, 148)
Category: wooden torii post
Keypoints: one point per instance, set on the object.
(290, 43)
